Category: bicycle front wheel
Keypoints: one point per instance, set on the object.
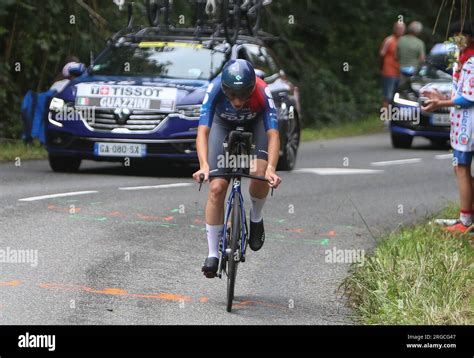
(233, 257)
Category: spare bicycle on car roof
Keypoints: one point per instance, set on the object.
(227, 18)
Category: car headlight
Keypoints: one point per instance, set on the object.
(52, 121)
(189, 111)
(57, 104)
(404, 102)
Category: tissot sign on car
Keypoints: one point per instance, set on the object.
(134, 97)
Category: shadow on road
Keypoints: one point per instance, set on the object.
(420, 143)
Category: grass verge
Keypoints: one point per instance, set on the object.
(369, 125)
(10, 150)
(419, 275)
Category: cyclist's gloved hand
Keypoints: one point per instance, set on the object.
(204, 170)
(273, 179)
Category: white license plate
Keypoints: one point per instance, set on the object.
(119, 150)
(441, 120)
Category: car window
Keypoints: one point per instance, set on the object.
(261, 59)
(272, 61)
(431, 71)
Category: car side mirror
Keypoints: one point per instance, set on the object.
(77, 69)
(260, 73)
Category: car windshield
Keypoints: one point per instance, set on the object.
(434, 72)
(160, 59)
(441, 56)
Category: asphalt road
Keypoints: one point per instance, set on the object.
(115, 256)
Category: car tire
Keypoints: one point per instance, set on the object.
(287, 160)
(62, 164)
(401, 141)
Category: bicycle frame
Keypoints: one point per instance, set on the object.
(235, 193)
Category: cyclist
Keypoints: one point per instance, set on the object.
(236, 98)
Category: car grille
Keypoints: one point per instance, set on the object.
(106, 120)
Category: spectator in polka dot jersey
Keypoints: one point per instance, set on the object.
(462, 118)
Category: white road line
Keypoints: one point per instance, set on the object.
(163, 186)
(444, 156)
(60, 195)
(336, 171)
(396, 162)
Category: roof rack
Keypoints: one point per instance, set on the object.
(229, 24)
(137, 33)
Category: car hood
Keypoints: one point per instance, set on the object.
(190, 92)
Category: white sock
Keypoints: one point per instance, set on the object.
(213, 235)
(466, 218)
(256, 211)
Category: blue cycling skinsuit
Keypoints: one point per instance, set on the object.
(258, 115)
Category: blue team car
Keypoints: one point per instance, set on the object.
(141, 97)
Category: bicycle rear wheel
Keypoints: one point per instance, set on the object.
(234, 256)
(152, 12)
(155, 9)
(254, 17)
(231, 16)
